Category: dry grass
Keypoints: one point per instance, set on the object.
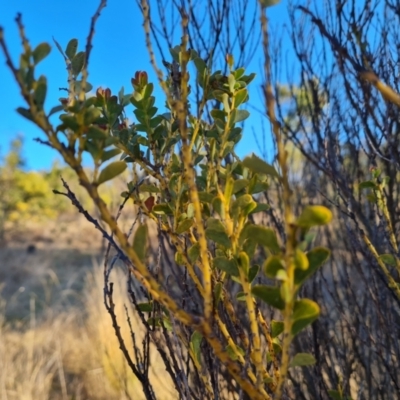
(73, 353)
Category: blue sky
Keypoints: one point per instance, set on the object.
(119, 50)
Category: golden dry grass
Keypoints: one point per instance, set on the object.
(71, 352)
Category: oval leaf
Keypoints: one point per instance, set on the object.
(272, 265)
(184, 226)
(41, 52)
(140, 242)
(78, 62)
(276, 328)
(302, 360)
(269, 294)
(314, 215)
(228, 266)
(305, 312)
(263, 236)
(72, 46)
(195, 343)
(111, 171)
(257, 165)
(316, 257)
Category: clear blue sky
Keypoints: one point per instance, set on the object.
(119, 50)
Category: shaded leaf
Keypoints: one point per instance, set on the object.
(302, 360)
(316, 257)
(184, 226)
(367, 185)
(140, 242)
(194, 252)
(41, 52)
(272, 265)
(241, 115)
(253, 271)
(78, 62)
(228, 266)
(111, 171)
(72, 46)
(25, 113)
(162, 208)
(264, 236)
(270, 295)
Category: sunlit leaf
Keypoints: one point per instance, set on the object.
(314, 215)
(257, 165)
(195, 343)
(305, 312)
(276, 328)
(316, 257)
(272, 265)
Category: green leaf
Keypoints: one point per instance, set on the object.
(140, 242)
(253, 271)
(336, 395)
(270, 295)
(195, 343)
(269, 3)
(272, 265)
(316, 257)
(305, 312)
(162, 208)
(239, 185)
(314, 215)
(263, 236)
(217, 292)
(241, 115)
(108, 154)
(111, 171)
(184, 226)
(78, 87)
(41, 52)
(59, 47)
(94, 132)
(194, 252)
(72, 46)
(243, 205)
(55, 110)
(228, 266)
(277, 328)
(301, 260)
(78, 62)
(260, 207)
(302, 360)
(367, 185)
(257, 165)
(145, 307)
(388, 259)
(25, 113)
(216, 231)
(240, 96)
